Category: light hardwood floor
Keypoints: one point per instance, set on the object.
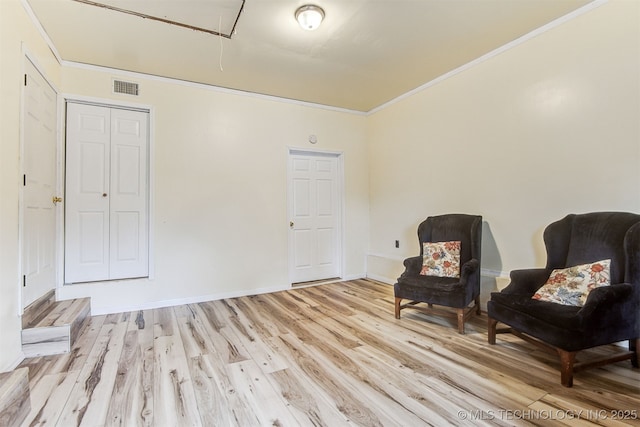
(330, 355)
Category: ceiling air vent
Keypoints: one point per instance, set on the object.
(127, 88)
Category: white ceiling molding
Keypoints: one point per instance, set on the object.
(169, 80)
(492, 54)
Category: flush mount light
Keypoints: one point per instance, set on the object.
(309, 16)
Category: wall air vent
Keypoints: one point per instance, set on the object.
(127, 88)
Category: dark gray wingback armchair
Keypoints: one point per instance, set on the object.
(609, 314)
(445, 291)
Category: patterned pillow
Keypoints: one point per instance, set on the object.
(441, 259)
(571, 286)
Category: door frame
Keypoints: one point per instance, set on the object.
(28, 56)
(339, 155)
(104, 102)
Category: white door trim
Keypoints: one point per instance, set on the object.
(104, 102)
(339, 155)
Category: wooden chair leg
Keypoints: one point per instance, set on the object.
(491, 330)
(634, 345)
(567, 358)
(460, 312)
(478, 310)
(398, 301)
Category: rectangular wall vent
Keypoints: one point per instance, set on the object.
(127, 88)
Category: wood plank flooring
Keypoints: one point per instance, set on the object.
(14, 396)
(330, 355)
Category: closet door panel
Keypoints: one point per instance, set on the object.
(87, 193)
(129, 207)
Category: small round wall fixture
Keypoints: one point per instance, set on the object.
(309, 16)
(313, 139)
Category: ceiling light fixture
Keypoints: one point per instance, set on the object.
(309, 16)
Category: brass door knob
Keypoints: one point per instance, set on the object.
(291, 224)
(56, 200)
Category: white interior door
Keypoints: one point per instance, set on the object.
(106, 216)
(39, 209)
(314, 209)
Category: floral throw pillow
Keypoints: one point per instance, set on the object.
(571, 286)
(441, 259)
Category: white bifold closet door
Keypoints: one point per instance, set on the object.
(106, 210)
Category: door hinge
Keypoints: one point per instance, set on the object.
(25, 79)
(24, 281)
(24, 180)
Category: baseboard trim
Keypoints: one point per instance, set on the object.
(382, 279)
(487, 272)
(100, 310)
(355, 276)
(13, 365)
(97, 309)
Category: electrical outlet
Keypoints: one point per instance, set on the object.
(397, 243)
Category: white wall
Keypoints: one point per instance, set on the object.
(220, 189)
(220, 179)
(17, 37)
(547, 128)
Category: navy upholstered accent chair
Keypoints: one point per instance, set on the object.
(457, 293)
(610, 313)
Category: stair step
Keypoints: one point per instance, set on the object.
(15, 402)
(54, 331)
(34, 313)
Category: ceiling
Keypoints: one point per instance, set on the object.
(365, 53)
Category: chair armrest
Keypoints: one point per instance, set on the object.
(468, 268)
(413, 265)
(526, 281)
(620, 300)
